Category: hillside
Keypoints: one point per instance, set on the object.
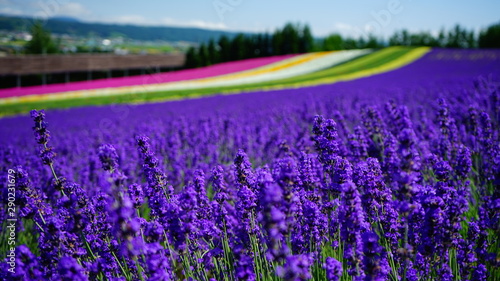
(144, 33)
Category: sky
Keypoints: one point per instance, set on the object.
(350, 18)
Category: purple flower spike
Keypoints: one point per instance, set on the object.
(136, 194)
(108, 156)
(333, 269)
(353, 224)
(42, 137)
(464, 162)
(296, 268)
(70, 270)
(244, 269)
(375, 263)
(442, 170)
(243, 169)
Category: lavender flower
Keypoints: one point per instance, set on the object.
(368, 176)
(155, 176)
(311, 232)
(375, 263)
(136, 194)
(42, 134)
(480, 273)
(296, 268)
(377, 198)
(69, 270)
(42, 137)
(108, 156)
(243, 170)
(272, 218)
(463, 162)
(375, 187)
(372, 121)
(219, 185)
(308, 176)
(27, 266)
(443, 117)
(442, 170)
(326, 141)
(353, 225)
(157, 264)
(342, 173)
(333, 269)
(244, 269)
(358, 145)
(247, 199)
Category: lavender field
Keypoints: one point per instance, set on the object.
(391, 177)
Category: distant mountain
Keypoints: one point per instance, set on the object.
(65, 19)
(66, 25)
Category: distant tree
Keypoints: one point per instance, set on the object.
(350, 43)
(471, 40)
(277, 43)
(423, 39)
(306, 40)
(459, 37)
(405, 38)
(490, 38)
(297, 38)
(267, 45)
(333, 42)
(41, 41)
(257, 45)
(203, 56)
(224, 49)
(361, 43)
(441, 39)
(290, 39)
(213, 54)
(400, 38)
(238, 47)
(251, 50)
(192, 59)
(373, 42)
(395, 40)
(264, 45)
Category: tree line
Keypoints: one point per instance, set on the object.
(297, 38)
(292, 39)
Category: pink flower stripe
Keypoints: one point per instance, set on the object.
(188, 74)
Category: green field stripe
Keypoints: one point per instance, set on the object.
(368, 61)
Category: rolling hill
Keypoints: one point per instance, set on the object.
(145, 33)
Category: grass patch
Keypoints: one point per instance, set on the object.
(366, 62)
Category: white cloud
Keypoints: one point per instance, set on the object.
(346, 30)
(10, 11)
(73, 9)
(129, 19)
(193, 23)
(6, 2)
(141, 20)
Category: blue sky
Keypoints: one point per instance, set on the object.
(355, 18)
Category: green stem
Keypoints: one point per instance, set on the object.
(50, 163)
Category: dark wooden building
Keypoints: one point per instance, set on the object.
(43, 69)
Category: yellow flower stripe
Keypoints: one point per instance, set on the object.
(270, 68)
(405, 59)
(394, 64)
(155, 87)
